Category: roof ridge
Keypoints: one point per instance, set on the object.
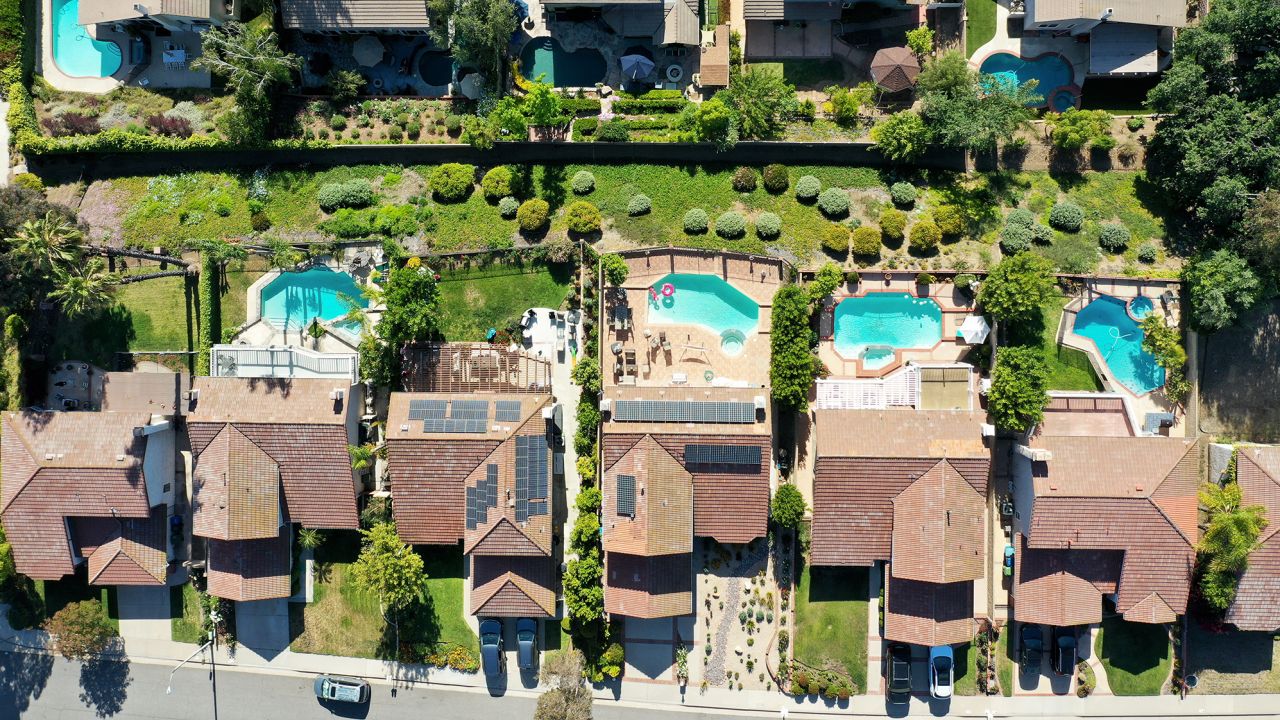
(630, 447)
(509, 579)
(504, 519)
(1151, 501)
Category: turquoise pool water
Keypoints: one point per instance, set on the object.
(879, 321)
(708, 301)
(1119, 339)
(545, 56)
(1140, 307)
(1051, 71)
(74, 52)
(294, 299)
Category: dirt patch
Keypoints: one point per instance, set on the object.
(102, 208)
(411, 185)
(69, 194)
(1241, 366)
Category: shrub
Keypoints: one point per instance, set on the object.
(893, 223)
(613, 131)
(31, 181)
(338, 122)
(1066, 216)
(768, 225)
(583, 183)
(1147, 253)
(453, 125)
(1015, 239)
(395, 133)
(775, 178)
(355, 193)
(173, 126)
(532, 214)
(925, 236)
(452, 181)
(835, 238)
(807, 188)
(866, 241)
(586, 126)
(260, 222)
(1021, 217)
(639, 204)
(949, 219)
(925, 278)
(1041, 234)
(582, 217)
(903, 194)
(744, 179)
(964, 281)
(834, 202)
(1135, 123)
(1114, 238)
(731, 224)
(349, 223)
(497, 182)
(695, 221)
(508, 207)
(413, 130)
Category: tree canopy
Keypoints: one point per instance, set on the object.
(249, 59)
(390, 569)
(481, 32)
(1016, 287)
(792, 365)
(762, 101)
(1231, 535)
(81, 630)
(966, 110)
(787, 507)
(412, 299)
(1019, 388)
(901, 137)
(1221, 285)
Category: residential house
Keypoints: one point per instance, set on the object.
(268, 453)
(1126, 37)
(660, 22)
(678, 463)
(1256, 607)
(908, 488)
(478, 469)
(789, 29)
(404, 17)
(1100, 512)
(162, 15)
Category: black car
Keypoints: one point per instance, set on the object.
(1031, 642)
(1064, 650)
(899, 674)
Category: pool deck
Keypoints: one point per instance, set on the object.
(756, 277)
(259, 331)
(1077, 54)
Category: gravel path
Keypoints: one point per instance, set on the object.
(715, 671)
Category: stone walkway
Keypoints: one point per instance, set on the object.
(725, 631)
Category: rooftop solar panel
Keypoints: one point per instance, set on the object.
(522, 511)
(733, 456)
(684, 411)
(469, 410)
(471, 508)
(490, 483)
(627, 495)
(537, 507)
(425, 409)
(506, 411)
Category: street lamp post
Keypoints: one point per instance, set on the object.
(212, 645)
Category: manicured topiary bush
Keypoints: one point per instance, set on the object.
(893, 224)
(639, 204)
(731, 224)
(1147, 253)
(1135, 123)
(613, 131)
(807, 188)
(338, 122)
(768, 225)
(1015, 238)
(532, 214)
(744, 179)
(452, 182)
(836, 239)
(775, 178)
(925, 236)
(866, 241)
(1022, 217)
(1066, 216)
(582, 217)
(695, 221)
(508, 207)
(834, 202)
(453, 125)
(1041, 234)
(903, 194)
(497, 182)
(583, 183)
(949, 219)
(355, 193)
(1114, 238)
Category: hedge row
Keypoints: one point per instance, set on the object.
(580, 106)
(646, 105)
(12, 43)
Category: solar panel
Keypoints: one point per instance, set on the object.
(433, 426)
(426, 409)
(537, 507)
(727, 456)
(506, 410)
(627, 495)
(471, 508)
(522, 470)
(684, 411)
(536, 462)
(469, 410)
(454, 425)
(491, 485)
(522, 511)
(482, 497)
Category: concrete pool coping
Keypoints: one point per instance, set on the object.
(255, 324)
(48, 68)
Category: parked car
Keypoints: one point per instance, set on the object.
(899, 674)
(526, 643)
(339, 688)
(1064, 650)
(1031, 641)
(491, 652)
(941, 671)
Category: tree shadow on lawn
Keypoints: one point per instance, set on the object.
(104, 684)
(23, 677)
(95, 338)
(1229, 652)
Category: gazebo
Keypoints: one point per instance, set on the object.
(895, 69)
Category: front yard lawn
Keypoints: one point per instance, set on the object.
(831, 621)
(1005, 662)
(1233, 663)
(474, 300)
(966, 669)
(184, 613)
(1136, 656)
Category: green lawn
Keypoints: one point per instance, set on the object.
(966, 669)
(1005, 662)
(981, 27)
(184, 614)
(57, 594)
(1069, 369)
(1136, 656)
(472, 301)
(831, 621)
(1233, 663)
(806, 74)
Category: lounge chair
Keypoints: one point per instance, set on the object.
(679, 379)
(662, 338)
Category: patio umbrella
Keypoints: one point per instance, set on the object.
(635, 67)
(974, 329)
(895, 69)
(368, 50)
(472, 86)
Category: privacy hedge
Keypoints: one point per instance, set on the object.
(12, 41)
(641, 106)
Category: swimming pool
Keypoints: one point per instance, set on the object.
(545, 57)
(707, 301)
(871, 325)
(1118, 337)
(294, 299)
(74, 52)
(1140, 307)
(1051, 70)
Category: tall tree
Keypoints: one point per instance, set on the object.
(81, 630)
(1230, 536)
(1019, 388)
(47, 244)
(787, 507)
(966, 110)
(1221, 285)
(250, 61)
(481, 32)
(84, 288)
(791, 364)
(1017, 287)
(389, 568)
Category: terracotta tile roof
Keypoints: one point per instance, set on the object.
(1258, 475)
(938, 529)
(924, 613)
(648, 587)
(1063, 587)
(154, 393)
(506, 586)
(270, 401)
(1255, 607)
(1115, 467)
(245, 570)
(900, 433)
(134, 554)
(662, 501)
(236, 492)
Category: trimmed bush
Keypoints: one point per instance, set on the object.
(356, 193)
(1147, 253)
(1114, 238)
(836, 239)
(834, 202)
(1015, 239)
(260, 222)
(508, 207)
(1067, 217)
(532, 214)
(1041, 234)
(613, 131)
(31, 181)
(452, 181)
(807, 188)
(775, 178)
(903, 194)
(866, 241)
(964, 281)
(893, 224)
(583, 183)
(744, 179)
(453, 125)
(768, 225)
(1022, 217)
(338, 122)
(949, 219)
(413, 130)
(1135, 123)
(582, 217)
(497, 183)
(731, 224)
(695, 221)
(639, 204)
(925, 236)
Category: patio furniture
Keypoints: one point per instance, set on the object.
(666, 344)
(679, 379)
(616, 348)
(368, 50)
(629, 362)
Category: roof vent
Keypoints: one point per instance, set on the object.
(49, 456)
(336, 394)
(194, 394)
(120, 458)
(404, 428)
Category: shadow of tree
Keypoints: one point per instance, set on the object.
(22, 679)
(551, 185)
(104, 684)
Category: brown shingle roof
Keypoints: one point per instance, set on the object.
(135, 554)
(270, 401)
(245, 570)
(1063, 587)
(506, 586)
(1256, 607)
(236, 490)
(662, 522)
(648, 587)
(714, 67)
(938, 529)
(924, 613)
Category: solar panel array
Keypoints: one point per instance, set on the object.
(726, 457)
(532, 477)
(507, 410)
(463, 416)
(482, 497)
(627, 495)
(684, 411)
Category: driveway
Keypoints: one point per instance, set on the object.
(144, 612)
(262, 627)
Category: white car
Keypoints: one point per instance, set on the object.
(941, 671)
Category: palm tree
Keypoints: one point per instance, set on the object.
(44, 245)
(362, 455)
(1233, 528)
(310, 538)
(83, 288)
(221, 254)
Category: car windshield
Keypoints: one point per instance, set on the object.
(943, 665)
(525, 636)
(489, 639)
